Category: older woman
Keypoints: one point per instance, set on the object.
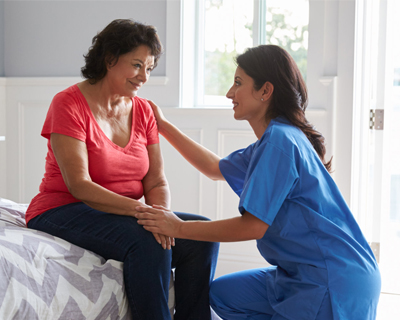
(103, 156)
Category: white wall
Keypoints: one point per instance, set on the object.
(331, 53)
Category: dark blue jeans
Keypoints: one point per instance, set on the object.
(147, 266)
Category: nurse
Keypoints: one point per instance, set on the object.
(321, 265)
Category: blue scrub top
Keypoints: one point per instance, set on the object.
(313, 239)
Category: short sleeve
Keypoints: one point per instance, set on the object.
(147, 114)
(234, 168)
(65, 117)
(272, 175)
(152, 130)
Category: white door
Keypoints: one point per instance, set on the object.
(376, 196)
(388, 89)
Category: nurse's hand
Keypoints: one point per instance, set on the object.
(159, 219)
(161, 120)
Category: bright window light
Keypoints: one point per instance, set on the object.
(215, 31)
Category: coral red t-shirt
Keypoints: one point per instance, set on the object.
(120, 170)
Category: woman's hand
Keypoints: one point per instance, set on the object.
(161, 120)
(159, 219)
(164, 241)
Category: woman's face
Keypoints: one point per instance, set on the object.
(131, 71)
(247, 103)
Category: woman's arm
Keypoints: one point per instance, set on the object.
(155, 185)
(72, 158)
(162, 220)
(156, 189)
(200, 157)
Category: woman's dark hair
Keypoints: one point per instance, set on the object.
(119, 37)
(270, 63)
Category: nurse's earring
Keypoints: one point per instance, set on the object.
(262, 99)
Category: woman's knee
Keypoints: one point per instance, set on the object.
(191, 216)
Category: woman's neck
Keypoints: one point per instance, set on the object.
(101, 95)
(259, 127)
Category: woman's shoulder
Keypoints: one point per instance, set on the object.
(142, 107)
(69, 94)
(141, 101)
(69, 101)
(280, 129)
(285, 137)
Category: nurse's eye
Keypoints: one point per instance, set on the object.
(237, 83)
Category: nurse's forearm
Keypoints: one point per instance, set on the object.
(198, 156)
(245, 227)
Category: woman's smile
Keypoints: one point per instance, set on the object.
(135, 85)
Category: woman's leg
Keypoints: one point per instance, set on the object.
(241, 295)
(195, 263)
(147, 265)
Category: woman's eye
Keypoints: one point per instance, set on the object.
(137, 66)
(149, 69)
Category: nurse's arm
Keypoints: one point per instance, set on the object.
(198, 156)
(242, 228)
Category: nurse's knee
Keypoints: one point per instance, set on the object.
(218, 293)
(219, 301)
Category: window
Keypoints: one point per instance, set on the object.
(215, 31)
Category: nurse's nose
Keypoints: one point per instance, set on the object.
(230, 94)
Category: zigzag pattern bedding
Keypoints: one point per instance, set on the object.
(44, 277)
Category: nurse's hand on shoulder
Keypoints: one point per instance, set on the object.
(161, 120)
(159, 220)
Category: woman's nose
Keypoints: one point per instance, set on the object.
(143, 75)
(230, 94)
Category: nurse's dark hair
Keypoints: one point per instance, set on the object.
(117, 38)
(270, 63)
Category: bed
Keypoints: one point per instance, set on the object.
(44, 277)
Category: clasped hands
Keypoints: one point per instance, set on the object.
(161, 221)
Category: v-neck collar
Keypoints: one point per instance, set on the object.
(93, 119)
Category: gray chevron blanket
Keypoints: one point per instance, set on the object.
(44, 277)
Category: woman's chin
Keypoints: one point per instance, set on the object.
(236, 115)
(132, 93)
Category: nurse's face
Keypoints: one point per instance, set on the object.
(247, 103)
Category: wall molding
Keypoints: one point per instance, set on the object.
(191, 133)
(244, 258)
(223, 135)
(64, 81)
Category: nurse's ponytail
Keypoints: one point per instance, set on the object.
(270, 63)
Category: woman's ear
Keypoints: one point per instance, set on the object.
(109, 61)
(267, 91)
